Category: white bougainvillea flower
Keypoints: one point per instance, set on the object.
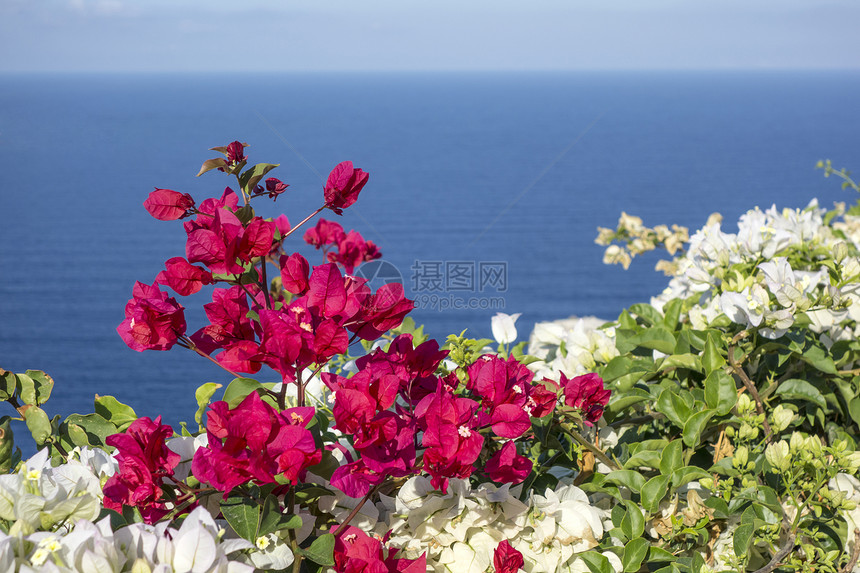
(504, 330)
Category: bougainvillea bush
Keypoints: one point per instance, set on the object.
(714, 429)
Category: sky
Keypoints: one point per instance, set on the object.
(397, 35)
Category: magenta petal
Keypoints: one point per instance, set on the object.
(327, 291)
(168, 205)
(510, 421)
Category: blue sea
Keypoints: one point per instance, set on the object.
(504, 176)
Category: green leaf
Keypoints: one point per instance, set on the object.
(854, 409)
(211, 164)
(96, 428)
(672, 312)
(243, 515)
(659, 554)
(203, 395)
(249, 179)
(673, 406)
(633, 522)
(321, 550)
(596, 562)
(38, 423)
(695, 425)
(711, 357)
(796, 389)
(238, 390)
(628, 478)
(620, 402)
(26, 388)
(688, 361)
(687, 474)
(272, 519)
(115, 412)
(819, 358)
(616, 368)
(671, 457)
(657, 338)
(649, 315)
(741, 539)
(43, 383)
(720, 392)
(653, 492)
(634, 552)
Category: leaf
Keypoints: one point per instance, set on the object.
(43, 384)
(650, 315)
(687, 474)
(671, 458)
(628, 478)
(819, 358)
(596, 562)
(26, 388)
(249, 179)
(321, 550)
(211, 164)
(242, 514)
(203, 395)
(672, 313)
(688, 361)
(616, 368)
(115, 412)
(741, 539)
(711, 357)
(238, 390)
(653, 492)
(796, 389)
(670, 404)
(720, 392)
(95, 427)
(272, 519)
(695, 425)
(620, 402)
(633, 522)
(38, 423)
(634, 553)
(657, 338)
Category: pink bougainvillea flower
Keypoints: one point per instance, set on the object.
(168, 205)
(324, 233)
(254, 442)
(275, 187)
(352, 250)
(294, 273)
(256, 239)
(153, 321)
(183, 277)
(586, 393)
(356, 552)
(235, 153)
(506, 466)
(381, 312)
(506, 559)
(144, 461)
(343, 186)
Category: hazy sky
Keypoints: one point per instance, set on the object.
(257, 35)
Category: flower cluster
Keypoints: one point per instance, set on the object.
(462, 529)
(144, 461)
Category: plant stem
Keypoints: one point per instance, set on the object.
(355, 511)
(265, 282)
(598, 453)
(186, 342)
(305, 220)
(739, 370)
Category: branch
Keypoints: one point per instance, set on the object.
(738, 369)
(779, 555)
(855, 553)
